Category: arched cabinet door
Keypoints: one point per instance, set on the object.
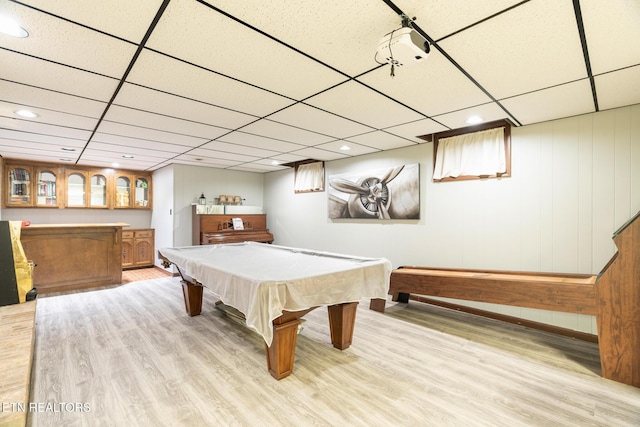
(98, 198)
(47, 187)
(18, 185)
(123, 196)
(77, 189)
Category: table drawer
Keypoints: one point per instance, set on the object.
(144, 233)
(127, 234)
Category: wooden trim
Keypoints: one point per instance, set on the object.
(509, 319)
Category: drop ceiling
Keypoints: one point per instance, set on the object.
(251, 85)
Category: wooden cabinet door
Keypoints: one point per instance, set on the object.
(19, 186)
(127, 249)
(144, 252)
(48, 187)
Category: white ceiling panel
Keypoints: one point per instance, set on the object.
(487, 112)
(37, 98)
(281, 69)
(341, 34)
(381, 140)
(613, 88)
(612, 30)
(123, 18)
(187, 159)
(567, 100)
(306, 117)
(528, 48)
(163, 123)
(50, 117)
(163, 73)
(55, 77)
(260, 142)
(124, 141)
(108, 159)
(152, 134)
(206, 149)
(43, 128)
(428, 87)
(320, 154)
(62, 41)
(353, 150)
(358, 103)
(137, 152)
(169, 105)
(284, 132)
(54, 142)
(441, 18)
(415, 129)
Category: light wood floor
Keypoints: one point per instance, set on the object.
(133, 356)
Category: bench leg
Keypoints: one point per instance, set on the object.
(342, 318)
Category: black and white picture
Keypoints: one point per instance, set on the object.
(389, 193)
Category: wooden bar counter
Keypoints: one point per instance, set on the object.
(73, 256)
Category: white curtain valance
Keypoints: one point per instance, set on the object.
(476, 154)
(309, 177)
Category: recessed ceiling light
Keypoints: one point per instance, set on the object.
(275, 162)
(115, 165)
(66, 160)
(11, 28)
(127, 156)
(26, 113)
(68, 149)
(474, 120)
(345, 148)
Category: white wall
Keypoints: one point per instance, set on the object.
(162, 217)
(191, 181)
(574, 182)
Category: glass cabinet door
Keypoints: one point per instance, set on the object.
(46, 188)
(142, 193)
(19, 187)
(123, 192)
(76, 189)
(98, 191)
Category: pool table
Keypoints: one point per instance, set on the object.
(274, 286)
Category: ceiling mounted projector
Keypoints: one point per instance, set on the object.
(404, 46)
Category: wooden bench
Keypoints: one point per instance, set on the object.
(613, 297)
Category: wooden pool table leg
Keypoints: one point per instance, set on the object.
(342, 318)
(192, 298)
(282, 351)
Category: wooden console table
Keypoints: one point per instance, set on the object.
(73, 256)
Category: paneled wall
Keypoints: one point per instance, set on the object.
(575, 181)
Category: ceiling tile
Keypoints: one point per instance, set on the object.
(381, 140)
(179, 78)
(281, 69)
(165, 104)
(431, 87)
(64, 42)
(159, 122)
(531, 47)
(612, 30)
(284, 132)
(59, 78)
(314, 120)
(319, 154)
(54, 141)
(354, 149)
(43, 128)
(123, 18)
(566, 100)
(233, 148)
(358, 103)
(149, 134)
(415, 129)
(46, 117)
(250, 140)
(614, 89)
(131, 143)
(29, 96)
(487, 112)
(441, 18)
